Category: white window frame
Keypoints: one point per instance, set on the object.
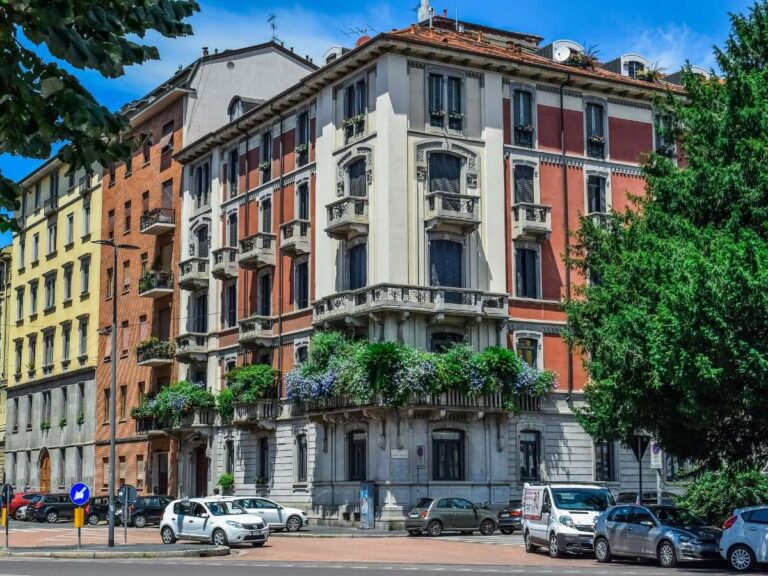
(531, 163)
(531, 89)
(606, 129)
(600, 173)
(446, 73)
(530, 245)
(539, 337)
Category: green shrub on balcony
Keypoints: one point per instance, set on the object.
(173, 402)
(246, 384)
(155, 348)
(394, 373)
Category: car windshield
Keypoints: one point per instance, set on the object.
(583, 499)
(678, 517)
(423, 502)
(225, 508)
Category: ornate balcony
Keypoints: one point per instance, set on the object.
(347, 218)
(51, 205)
(531, 220)
(199, 418)
(156, 284)
(224, 263)
(257, 250)
(157, 221)
(193, 273)
(447, 212)
(192, 346)
(151, 426)
(154, 352)
(295, 237)
(256, 330)
(259, 414)
(431, 300)
(596, 147)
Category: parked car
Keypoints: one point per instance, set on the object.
(21, 511)
(278, 517)
(745, 538)
(53, 507)
(146, 510)
(97, 510)
(511, 517)
(21, 499)
(649, 498)
(666, 533)
(435, 516)
(562, 516)
(217, 520)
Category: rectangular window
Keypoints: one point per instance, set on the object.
(110, 291)
(302, 129)
(444, 173)
(358, 179)
(605, 465)
(29, 411)
(229, 448)
(596, 201)
(111, 224)
(357, 456)
(265, 295)
(67, 283)
(526, 273)
(80, 400)
(83, 338)
(303, 201)
(166, 142)
(595, 131)
(66, 336)
(35, 248)
(22, 246)
(51, 238)
(125, 337)
(70, 180)
(167, 192)
(301, 285)
(455, 107)
(85, 275)
(127, 217)
(145, 202)
(79, 464)
(128, 167)
(38, 195)
(123, 401)
(264, 457)
(301, 458)
(105, 405)
(448, 455)
(524, 191)
(436, 102)
(86, 219)
(126, 276)
(146, 147)
(140, 471)
(231, 312)
(528, 351)
(265, 155)
(111, 170)
(358, 266)
(665, 140)
(522, 118)
(33, 298)
(70, 229)
(19, 305)
(50, 291)
(53, 185)
(46, 413)
(19, 353)
(529, 455)
(105, 473)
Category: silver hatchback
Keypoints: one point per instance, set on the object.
(668, 534)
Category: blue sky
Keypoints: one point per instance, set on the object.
(667, 32)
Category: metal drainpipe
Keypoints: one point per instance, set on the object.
(279, 257)
(247, 211)
(566, 226)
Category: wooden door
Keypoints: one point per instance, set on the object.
(45, 472)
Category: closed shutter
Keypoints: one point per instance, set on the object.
(304, 202)
(526, 273)
(349, 102)
(358, 267)
(358, 185)
(446, 260)
(444, 173)
(523, 184)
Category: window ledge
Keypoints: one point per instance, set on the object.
(534, 300)
(51, 255)
(49, 309)
(33, 316)
(111, 183)
(145, 164)
(82, 359)
(67, 302)
(84, 295)
(20, 270)
(34, 263)
(86, 237)
(64, 364)
(69, 245)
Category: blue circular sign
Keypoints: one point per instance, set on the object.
(79, 494)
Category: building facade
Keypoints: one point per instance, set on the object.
(6, 256)
(142, 209)
(50, 359)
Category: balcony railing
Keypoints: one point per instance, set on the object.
(452, 401)
(150, 425)
(51, 205)
(347, 217)
(197, 418)
(295, 237)
(524, 136)
(192, 346)
(414, 299)
(193, 273)
(257, 330)
(260, 414)
(157, 221)
(155, 353)
(257, 250)
(531, 220)
(224, 263)
(446, 212)
(86, 183)
(595, 148)
(156, 284)
(599, 219)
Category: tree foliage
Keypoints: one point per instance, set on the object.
(676, 328)
(715, 495)
(41, 104)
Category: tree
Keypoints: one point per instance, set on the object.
(675, 326)
(42, 105)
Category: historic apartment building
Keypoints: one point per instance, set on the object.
(420, 188)
(142, 209)
(51, 329)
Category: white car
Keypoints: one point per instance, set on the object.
(278, 517)
(745, 538)
(217, 520)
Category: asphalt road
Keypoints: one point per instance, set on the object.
(233, 567)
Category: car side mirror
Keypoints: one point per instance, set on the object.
(647, 523)
(204, 515)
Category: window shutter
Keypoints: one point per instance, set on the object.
(361, 97)
(446, 259)
(357, 267)
(444, 173)
(524, 184)
(454, 95)
(358, 185)
(603, 206)
(349, 102)
(265, 295)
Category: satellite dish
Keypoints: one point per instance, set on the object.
(562, 54)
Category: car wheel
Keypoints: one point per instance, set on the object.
(20, 515)
(52, 517)
(93, 519)
(602, 551)
(487, 527)
(140, 521)
(554, 549)
(167, 535)
(293, 524)
(741, 558)
(414, 532)
(257, 544)
(435, 528)
(666, 555)
(529, 547)
(219, 537)
(506, 531)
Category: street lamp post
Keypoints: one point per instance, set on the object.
(113, 387)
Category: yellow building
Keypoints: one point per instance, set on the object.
(52, 329)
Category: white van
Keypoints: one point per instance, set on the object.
(562, 517)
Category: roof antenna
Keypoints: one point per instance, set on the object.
(273, 24)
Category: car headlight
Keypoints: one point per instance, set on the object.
(567, 521)
(234, 524)
(685, 539)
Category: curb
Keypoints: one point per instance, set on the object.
(94, 554)
(350, 535)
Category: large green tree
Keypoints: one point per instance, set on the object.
(41, 104)
(675, 324)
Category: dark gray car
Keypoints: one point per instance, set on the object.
(668, 534)
(435, 516)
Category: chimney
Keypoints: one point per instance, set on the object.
(445, 12)
(205, 51)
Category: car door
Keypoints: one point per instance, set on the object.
(182, 513)
(642, 533)
(443, 511)
(617, 528)
(464, 514)
(538, 528)
(756, 532)
(197, 524)
(270, 512)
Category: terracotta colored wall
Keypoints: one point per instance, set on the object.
(507, 118)
(628, 139)
(548, 124)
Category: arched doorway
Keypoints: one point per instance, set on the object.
(45, 472)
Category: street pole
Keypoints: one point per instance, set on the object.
(640, 469)
(112, 409)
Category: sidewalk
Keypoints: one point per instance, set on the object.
(119, 551)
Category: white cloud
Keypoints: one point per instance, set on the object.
(672, 46)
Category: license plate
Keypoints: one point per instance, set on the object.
(413, 515)
(257, 534)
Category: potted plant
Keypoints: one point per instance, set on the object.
(358, 118)
(227, 482)
(62, 423)
(597, 139)
(436, 112)
(264, 165)
(653, 73)
(80, 420)
(45, 425)
(586, 59)
(524, 127)
(301, 148)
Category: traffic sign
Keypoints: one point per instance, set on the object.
(656, 455)
(79, 494)
(7, 494)
(639, 445)
(127, 494)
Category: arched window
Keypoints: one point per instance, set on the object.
(358, 181)
(448, 455)
(357, 451)
(444, 173)
(235, 109)
(633, 67)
